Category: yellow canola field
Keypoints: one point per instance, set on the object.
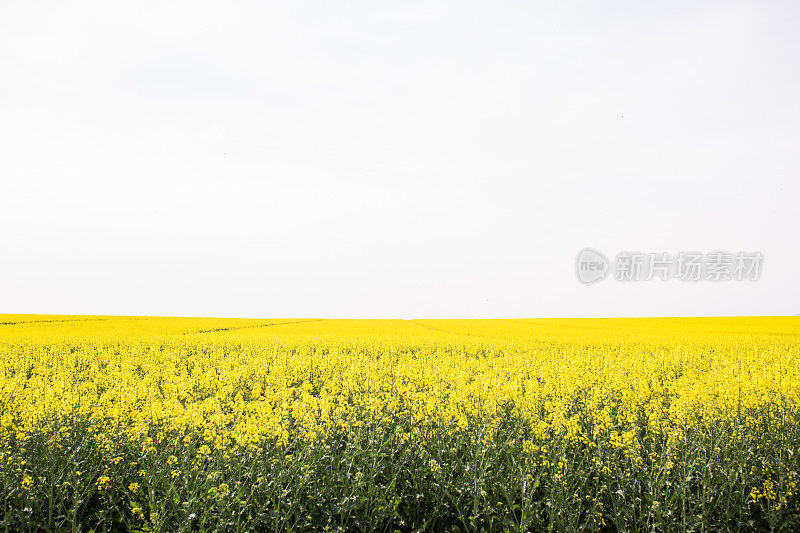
(194, 424)
(241, 381)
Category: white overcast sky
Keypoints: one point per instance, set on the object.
(393, 159)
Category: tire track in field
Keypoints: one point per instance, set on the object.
(22, 322)
(252, 326)
(434, 328)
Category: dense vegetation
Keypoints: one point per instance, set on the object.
(163, 424)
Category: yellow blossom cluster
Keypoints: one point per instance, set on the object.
(242, 381)
(550, 416)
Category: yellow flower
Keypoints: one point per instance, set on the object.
(234, 389)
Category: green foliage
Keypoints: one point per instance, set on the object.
(373, 478)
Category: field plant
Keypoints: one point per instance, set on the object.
(170, 424)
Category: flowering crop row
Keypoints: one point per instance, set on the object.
(166, 424)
